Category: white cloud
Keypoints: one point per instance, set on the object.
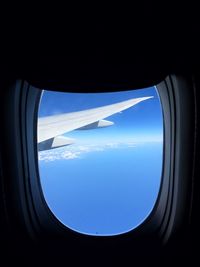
(112, 145)
(131, 144)
(76, 151)
(57, 154)
(83, 148)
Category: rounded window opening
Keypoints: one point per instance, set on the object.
(100, 158)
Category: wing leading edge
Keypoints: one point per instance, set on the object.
(53, 126)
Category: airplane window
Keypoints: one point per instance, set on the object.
(100, 158)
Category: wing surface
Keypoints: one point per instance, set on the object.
(52, 126)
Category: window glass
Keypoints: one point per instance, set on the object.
(100, 158)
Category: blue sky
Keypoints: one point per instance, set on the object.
(107, 182)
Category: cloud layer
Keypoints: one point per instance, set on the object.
(77, 151)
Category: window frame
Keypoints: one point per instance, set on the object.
(169, 213)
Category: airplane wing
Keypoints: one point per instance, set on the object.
(54, 126)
